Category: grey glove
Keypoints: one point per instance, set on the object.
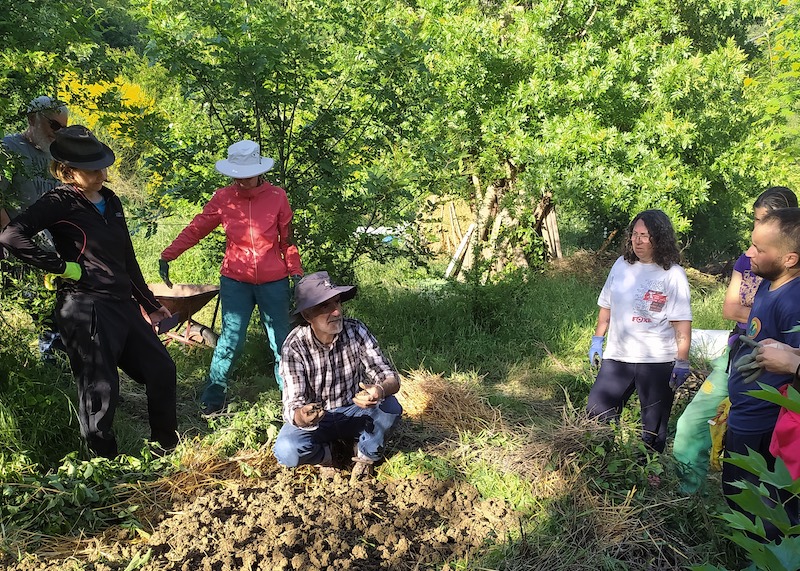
(747, 365)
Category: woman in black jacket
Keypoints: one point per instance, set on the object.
(100, 288)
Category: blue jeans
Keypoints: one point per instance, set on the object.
(295, 446)
(238, 300)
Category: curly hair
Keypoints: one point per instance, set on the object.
(662, 237)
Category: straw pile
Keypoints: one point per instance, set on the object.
(702, 282)
(446, 404)
(578, 434)
(586, 266)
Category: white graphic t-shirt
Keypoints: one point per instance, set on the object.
(643, 299)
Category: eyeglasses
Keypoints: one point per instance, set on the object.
(636, 237)
(54, 125)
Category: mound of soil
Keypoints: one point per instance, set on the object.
(297, 519)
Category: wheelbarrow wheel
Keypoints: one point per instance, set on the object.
(202, 334)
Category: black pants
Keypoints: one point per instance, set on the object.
(615, 384)
(100, 335)
(738, 442)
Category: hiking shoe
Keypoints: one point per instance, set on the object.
(362, 469)
(213, 399)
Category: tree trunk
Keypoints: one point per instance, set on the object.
(482, 221)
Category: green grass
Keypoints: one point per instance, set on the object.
(522, 341)
(198, 265)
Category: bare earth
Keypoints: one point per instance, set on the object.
(301, 520)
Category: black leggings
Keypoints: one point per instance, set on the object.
(100, 335)
(615, 384)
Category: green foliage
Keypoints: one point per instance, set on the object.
(199, 265)
(750, 533)
(409, 464)
(80, 495)
(45, 39)
(449, 327)
(613, 107)
(91, 495)
(254, 427)
(706, 304)
(329, 91)
(624, 462)
(29, 392)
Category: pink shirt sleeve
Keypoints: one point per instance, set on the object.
(200, 227)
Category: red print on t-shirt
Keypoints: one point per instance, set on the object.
(657, 300)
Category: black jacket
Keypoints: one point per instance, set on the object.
(100, 243)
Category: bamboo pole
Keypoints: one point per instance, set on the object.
(459, 252)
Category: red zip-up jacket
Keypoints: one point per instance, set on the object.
(256, 223)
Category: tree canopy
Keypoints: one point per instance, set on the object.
(375, 110)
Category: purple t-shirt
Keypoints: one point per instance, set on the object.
(750, 283)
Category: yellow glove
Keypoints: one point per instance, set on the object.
(718, 425)
(72, 272)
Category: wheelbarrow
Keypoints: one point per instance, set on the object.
(186, 300)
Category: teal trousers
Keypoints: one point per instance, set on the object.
(238, 299)
(692, 436)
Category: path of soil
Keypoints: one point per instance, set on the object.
(301, 520)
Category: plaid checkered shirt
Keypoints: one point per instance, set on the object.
(314, 372)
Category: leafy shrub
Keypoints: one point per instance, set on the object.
(750, 534)
(31, 391)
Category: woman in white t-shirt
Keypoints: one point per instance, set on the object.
(645, 311)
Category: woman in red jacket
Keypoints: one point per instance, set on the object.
(260, 256)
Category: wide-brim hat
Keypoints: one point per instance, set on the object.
(76, 147)
(45, 103)
(318, 288)
(244, 161)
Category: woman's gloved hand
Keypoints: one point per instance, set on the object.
(72, 272)
(596, 350)
(680, 372)
(163, 271)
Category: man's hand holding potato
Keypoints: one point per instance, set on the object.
(369, 395)
(309, 415)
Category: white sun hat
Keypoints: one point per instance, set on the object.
(244, 161)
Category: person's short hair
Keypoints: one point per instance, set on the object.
(788, 221)
(662, 237)
(776, 197)
(46, 103)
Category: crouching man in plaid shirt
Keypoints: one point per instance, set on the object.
(337, 384)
